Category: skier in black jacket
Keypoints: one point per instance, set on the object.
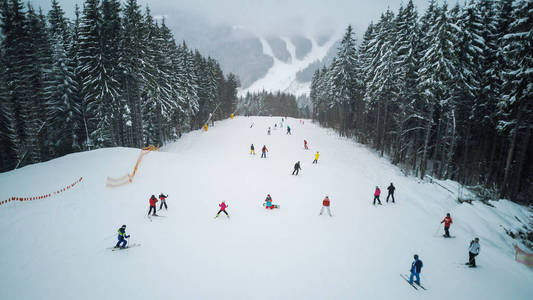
(416, 268)
(296, 168)
(391, 189)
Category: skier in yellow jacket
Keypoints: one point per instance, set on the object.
(316, 158)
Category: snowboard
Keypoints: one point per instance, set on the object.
(127, 247)
(414, 285)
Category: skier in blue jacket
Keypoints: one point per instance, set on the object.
(416, 268)
(122, 237)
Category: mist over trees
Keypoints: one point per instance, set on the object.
(446, 94)
(112, 76)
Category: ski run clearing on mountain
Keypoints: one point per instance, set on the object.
(57, 248)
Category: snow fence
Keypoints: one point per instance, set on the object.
(43, 196)
(128, 178)
(523, 257)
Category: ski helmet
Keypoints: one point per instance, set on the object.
(416, 256)
(123, 226)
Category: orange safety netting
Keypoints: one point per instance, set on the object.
(523, 257)
(128, 178)
(44, 196)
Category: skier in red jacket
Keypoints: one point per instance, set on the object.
(264, 151)
(305, 145)
(325, 204)
(447, 222)
(376, 195)
(223, 207)
(153, 201)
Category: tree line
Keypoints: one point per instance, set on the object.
(112, 76)
(266, 103)
(447, 94)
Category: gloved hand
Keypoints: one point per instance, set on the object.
(127, 236)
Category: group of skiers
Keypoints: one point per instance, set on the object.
(153, 200)
(377, 193)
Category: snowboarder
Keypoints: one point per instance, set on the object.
(416, 268)
(268, 201)
(473, 251)
(305, 145)
(162, 197)
(296, 168)
(288, 129)
(153, 201)
(223, 207)
(316, 158)
(122, 237)
(325, 204)
(447, 222)
(252, 149)
(376, 195)
(268, 132)
(391, 189)
(264, 152)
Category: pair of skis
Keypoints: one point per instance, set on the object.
(125, 248)
(414, 285)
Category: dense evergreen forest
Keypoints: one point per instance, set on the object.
(112, 76)
(268, 104)
(448, 94)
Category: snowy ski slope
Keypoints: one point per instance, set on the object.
(55, 248)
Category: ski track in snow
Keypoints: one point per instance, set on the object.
(56, 248)
(282, 75)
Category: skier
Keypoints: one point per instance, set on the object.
(447, 222)
(153, 201)
(325, 204)
(122, 237)
(416, 268)
(391, 189)
(473, 251)
(316, 158)
(288, 129)
(376, 195)
(162, 197)
(297, 168)
(268, 201)
(268, 132)
(264, 152)
(252, 149)
(276, 126)
(305, 145)
(223, 207)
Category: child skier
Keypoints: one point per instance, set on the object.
(296, 168)
(447, 222)
(325, 204)
(305, 145)
(264, 152)
(473, 251)
(153, 201)
(223, 207)
(391, 189)
(316, 158)
(416, 268)
(268, 201)
(122, 237)
(162, 197)
(377, 192)
(252, 149)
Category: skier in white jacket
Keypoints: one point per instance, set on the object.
(473, 251)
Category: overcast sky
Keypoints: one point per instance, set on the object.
(281, 17)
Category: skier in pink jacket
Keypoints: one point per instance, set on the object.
(223, 207)
(376, 195)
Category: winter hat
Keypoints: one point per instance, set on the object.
(123, 226)
(416, 256)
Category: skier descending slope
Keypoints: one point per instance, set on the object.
(447, 222)
(377, 192)
(264, 151)
(162, 197)
(122, 237)
(296, 168)
(223, 207)
(268, 203)
(153, 201)
(288, 129)
(316, 158)
(473, 251)
(325, 204)
(416, 268)
(305, 145)
(252, 149)
(391, 189)
(268, 132)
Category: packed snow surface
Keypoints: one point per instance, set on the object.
(58, 248)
